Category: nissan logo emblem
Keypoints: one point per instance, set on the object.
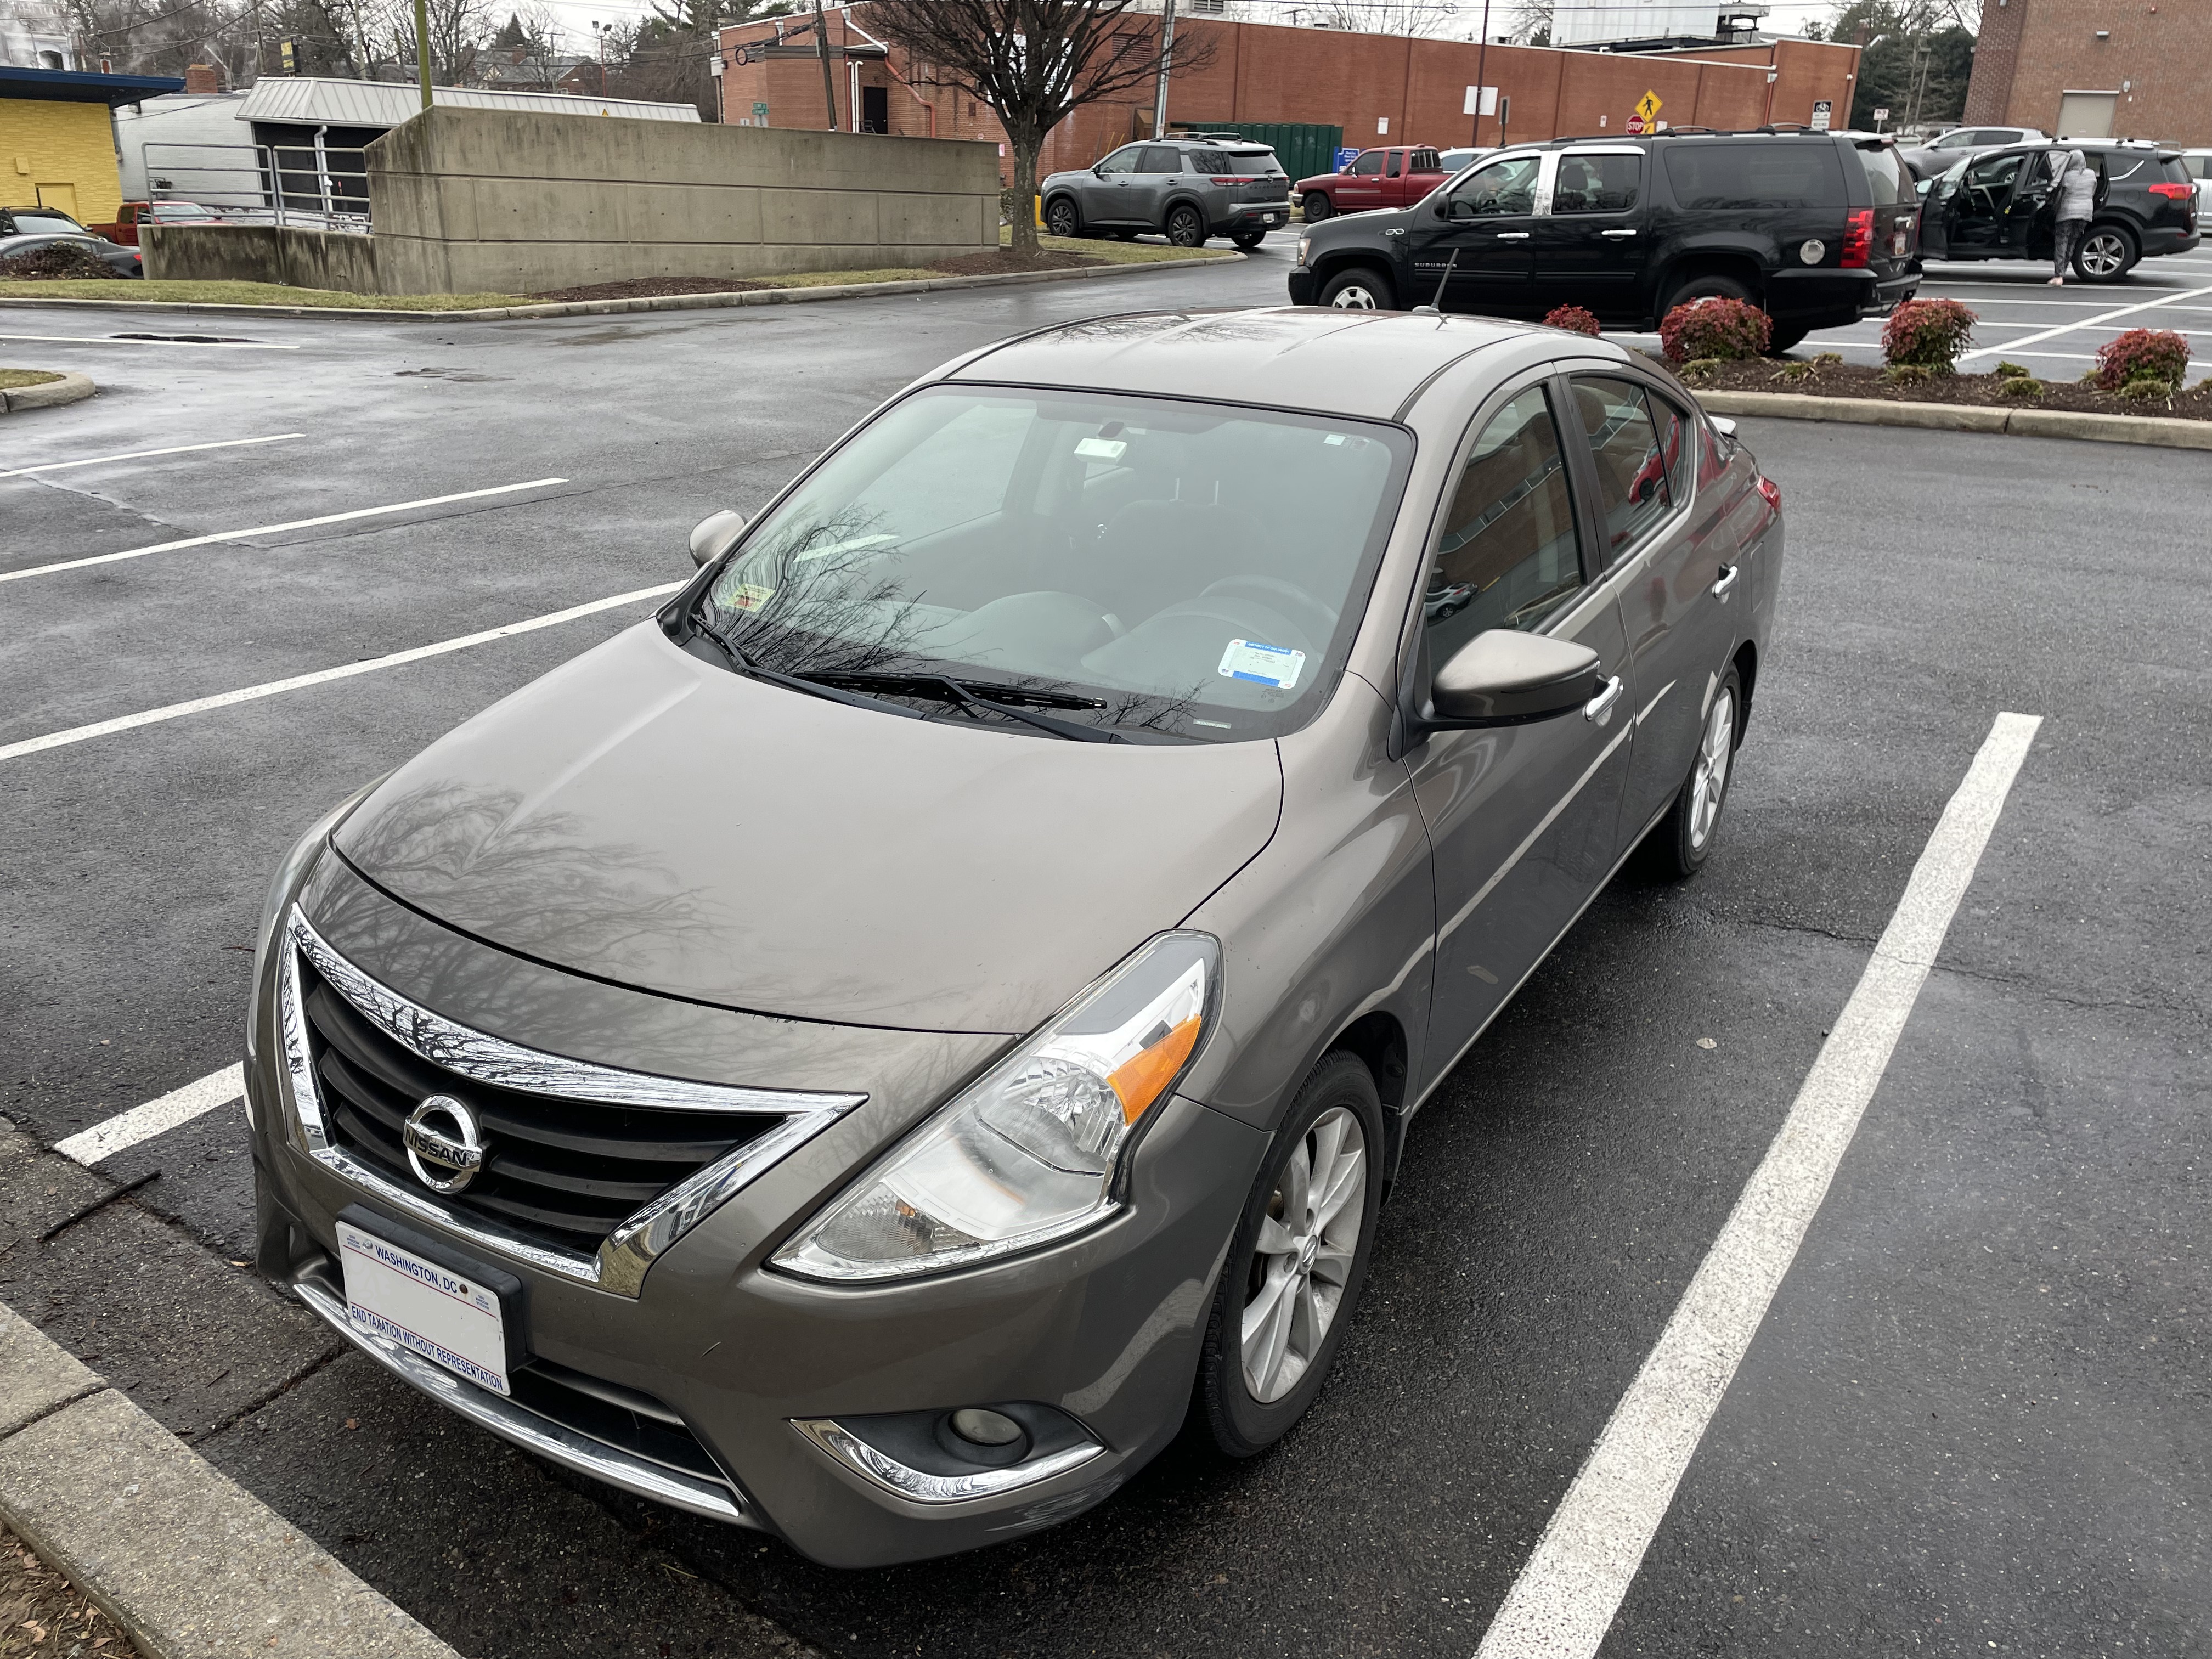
(445, 1145)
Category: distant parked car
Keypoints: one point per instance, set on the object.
(124, 229)
(124, 261)
(2002, 206)
(2197, 164)
(1185, 188)
(1946, 150)
(1816, 227)
(37, 222)
(1393, 177)
(1458, 161)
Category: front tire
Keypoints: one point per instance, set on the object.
(1185, 228)
(1061, 218)
(1317, 207)
(1295, 1267)
(1361, 289)
(2107, 253)
(1685, 837)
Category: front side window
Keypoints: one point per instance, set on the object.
(1510, 556)
(1597, 184)
(1168, 569)
(1123, 159)
(1507, 185)
(1397, 165)
(1631, 463)
(1991, 179)
(1369, 165)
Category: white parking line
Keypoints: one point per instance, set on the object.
(2068, 328)
(142, 454)
(118, 339)
(369, 665)
(108, 1138)
(273, 529)
(1570, 1587)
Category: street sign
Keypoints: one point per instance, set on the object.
(760, 113)
(1822, 110)
(1648, 106)
(1345, 157)
(1881, 115)
(1480, 100)
(1635, 123)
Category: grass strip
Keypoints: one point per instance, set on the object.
(15, 380)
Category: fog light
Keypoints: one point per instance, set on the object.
(986, 1428)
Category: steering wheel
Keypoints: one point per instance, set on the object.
(1275, 589)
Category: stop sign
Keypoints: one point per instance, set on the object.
(1635, 123)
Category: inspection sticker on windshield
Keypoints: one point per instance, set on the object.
(751, 596)
(1266, 664)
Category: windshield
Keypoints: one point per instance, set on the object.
(1182, 569)
(36, 221)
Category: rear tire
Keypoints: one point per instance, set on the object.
(2107, 253)
(1684, 839)
(1296, 1262)
(1249, 240)
(1711, 285)
(1318, 207)
(1185, 228)
(1361, 289)
(1061, 218)
(1785, 339)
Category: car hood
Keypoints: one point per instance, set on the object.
(655, 821)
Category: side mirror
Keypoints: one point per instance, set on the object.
(1444, 210)
(715, 535)
(1503, 676)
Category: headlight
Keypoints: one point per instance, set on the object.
(1305, 242)
(1027, 1154)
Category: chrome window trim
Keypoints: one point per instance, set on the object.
(630, 1250)
(512, 1421)
(916, 1486)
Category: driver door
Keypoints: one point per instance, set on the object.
(1975, 216)
(1361, 184)
(1109, 196)
(1482, 232)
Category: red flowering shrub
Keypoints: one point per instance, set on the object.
(1573, 319)
(1929, 333)
(2143, 354)
(1727, 329)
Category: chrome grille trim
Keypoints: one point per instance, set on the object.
(631, 1248)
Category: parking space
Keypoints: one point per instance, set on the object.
(1974, 1419)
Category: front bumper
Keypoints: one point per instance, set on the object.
(719, 1352)
(1303, 286)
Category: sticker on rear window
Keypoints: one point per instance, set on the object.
(1264, 665)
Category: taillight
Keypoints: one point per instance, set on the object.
(2174, 193)
(1858, 238)
(1236, 179)
(1770, 492)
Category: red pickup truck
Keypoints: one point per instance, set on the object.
(1392, 178)
(135, 214)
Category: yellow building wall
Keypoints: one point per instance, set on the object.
(60, 156)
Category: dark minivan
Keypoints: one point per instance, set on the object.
(1814, 227)
(2004, 205)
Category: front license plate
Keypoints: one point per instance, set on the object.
(447, 1317)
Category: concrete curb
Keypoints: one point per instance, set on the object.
(2151, 430)
(766, 296)
(48, 394)
(189, 1563)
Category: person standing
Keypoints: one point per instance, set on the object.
(2077, 202)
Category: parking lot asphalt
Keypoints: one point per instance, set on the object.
(1975, 1419)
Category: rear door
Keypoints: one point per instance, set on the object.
(1481, 233)
(1591, 248)
(1160, 171)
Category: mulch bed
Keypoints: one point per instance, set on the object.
(44, 1616)
(1864, 380)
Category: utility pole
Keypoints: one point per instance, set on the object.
(422, 48)
(1481, 62)
(828, 85)
(1167, 51)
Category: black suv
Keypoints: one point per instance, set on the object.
(1814, 227)
(2003, 204)
(1186, 188)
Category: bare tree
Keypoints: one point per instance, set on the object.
(1035, 62)
(1383, 16)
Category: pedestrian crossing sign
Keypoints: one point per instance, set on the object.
(1648, 107)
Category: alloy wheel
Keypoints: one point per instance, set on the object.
(2103, 253)
(1303, 1256)
(1356, 296)
(1059, 218)
(1185, 229)
(1709, 781)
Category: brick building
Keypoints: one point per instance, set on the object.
(2087, 68)
(1380, 89)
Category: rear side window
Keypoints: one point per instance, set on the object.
(2177, 170)
(1780, 174)
(1213, 163)
(1161, 158)
(1597, 184)
(1886, 176)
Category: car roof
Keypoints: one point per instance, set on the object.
(1365, 363)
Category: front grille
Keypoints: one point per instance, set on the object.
(558, 1171)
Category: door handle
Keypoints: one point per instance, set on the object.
(1728, 574)
(1600, 706)
(1616, 235)
(1512, 236)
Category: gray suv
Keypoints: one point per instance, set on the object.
(1185, 188)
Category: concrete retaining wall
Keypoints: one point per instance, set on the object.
(472, 200)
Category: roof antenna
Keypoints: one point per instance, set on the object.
(1435, 308)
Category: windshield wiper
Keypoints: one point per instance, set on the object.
(986, 695)
(747, 666)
